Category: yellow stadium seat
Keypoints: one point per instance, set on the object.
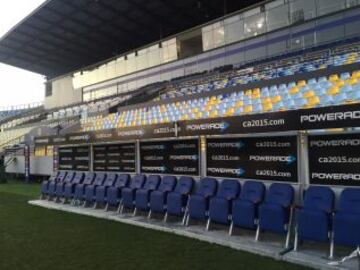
(301, 83)
(340, 83)
(309, 94)
(333, 90)
(352, 81)
(256, 91)
(333, 78)
(356, 74)
(276, 99)
(267, 107)
(266, 100)
(248, 109)
(294, 90)
(239, 103)
(313, 101)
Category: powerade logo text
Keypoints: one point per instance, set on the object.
(324, 117)
(154, 168)
(153, 147)
(136, 132)
(79, 137)
(236, 172)
(335, 176)
(334, 143)
(222, 126)
(236, 145)
(183, 157)
(288, 159)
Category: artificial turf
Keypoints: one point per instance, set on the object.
(36, 238)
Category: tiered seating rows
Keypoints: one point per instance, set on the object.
(315, 92)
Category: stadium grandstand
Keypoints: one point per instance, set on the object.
(236, 123)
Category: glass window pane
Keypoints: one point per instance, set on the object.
(277, 17)
(254, 25)
(329, 6)
(302, 10)
(207, 40)
(219, 35)
(234, 29)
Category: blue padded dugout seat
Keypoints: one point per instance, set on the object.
(199, 202)
(245, 208)
(347, 219)
(45, 184)
(177, 200)
(158, 198)
(52, 184)
(113, 195)
(128, 193)
(276, 211)
(220, 207)
(90, 189)
(142, 195)
(317, 209)
(100, 191)
(69, 188)
(59, 191)
(79, 193)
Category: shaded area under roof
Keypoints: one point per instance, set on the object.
(64, 35)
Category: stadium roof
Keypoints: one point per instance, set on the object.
(64, 35)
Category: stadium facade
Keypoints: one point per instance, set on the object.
(230, 120)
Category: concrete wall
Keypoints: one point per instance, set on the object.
(38, 165)
(63, 93)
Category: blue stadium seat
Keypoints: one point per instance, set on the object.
(177, 200)
(347, 219)
(79, 193)
(114, 192)
(275, 214)
(317, 209)
(90, 189)
(142, 195)
(199, 202)
(128, 193)
(69, 188)
(59, 191)
(245, 208)
(45, 184)
(221, 204)
(158, 198)
(52, 184)
(100, 191)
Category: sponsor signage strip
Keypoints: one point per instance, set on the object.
(178, 157)
(115, 157)
(265, 158)
(334, 159)
(305, 119)
(74, 158)
(317, 118)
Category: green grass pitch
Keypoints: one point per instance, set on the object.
(33, 238)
